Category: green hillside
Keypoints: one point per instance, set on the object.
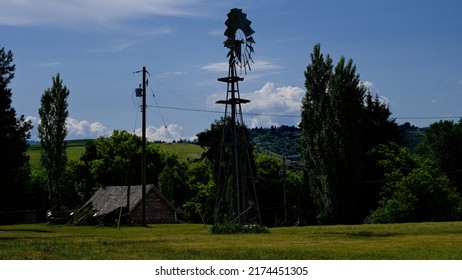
(75, 148)
(185, 151)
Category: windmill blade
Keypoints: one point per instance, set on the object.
(240, 49)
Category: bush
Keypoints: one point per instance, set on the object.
(232, 228)
(422, 195)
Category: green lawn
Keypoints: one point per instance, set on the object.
(416, 241)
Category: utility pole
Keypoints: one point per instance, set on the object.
(284, 187)
(141, 92)
(143, 149)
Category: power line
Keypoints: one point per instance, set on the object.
(186, 109)
(222, 112)
(429, 118)
(293, 116)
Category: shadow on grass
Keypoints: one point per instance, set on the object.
(361, 233)
(27, 230)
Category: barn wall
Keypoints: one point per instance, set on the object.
(157, 211)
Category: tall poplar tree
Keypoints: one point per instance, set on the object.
(52, 131)
(316, 133)
(14, 133)
(340, 124)
(331, 135)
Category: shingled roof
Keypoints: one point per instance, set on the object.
(110, 198)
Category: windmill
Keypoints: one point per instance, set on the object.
(236, 199)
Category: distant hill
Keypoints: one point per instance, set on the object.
(412, 135)
(285, 140)
(282, 140)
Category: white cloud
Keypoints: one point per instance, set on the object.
(369, 85)
(76, 129)
(262, 121)
(374, 91)
(85, 129)
(33, 120)
(271, 105)
(70, 12)
(277, 100)
(169, 133)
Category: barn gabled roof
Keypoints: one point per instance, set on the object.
(109, 198)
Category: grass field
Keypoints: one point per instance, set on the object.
(418, 241)
(75, 149)
(184, 151)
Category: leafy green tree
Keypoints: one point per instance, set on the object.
(172, 180)
(14, 133)
(112, 161)
(52, 131)
(442, 144)
(415, 190)
(377, 128)
(201, 183)
(270, 189)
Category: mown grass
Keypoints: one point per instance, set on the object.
(75, 149)
(185, 151)
(73, 153)
(437, 241)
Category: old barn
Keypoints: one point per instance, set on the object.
(110, 202)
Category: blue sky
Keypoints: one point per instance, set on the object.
(408, 52)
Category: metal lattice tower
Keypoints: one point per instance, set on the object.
(236, 197)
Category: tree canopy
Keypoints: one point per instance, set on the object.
(442, 144)
(14, 133)
(52, 131)
(340, 123)
(415, 189)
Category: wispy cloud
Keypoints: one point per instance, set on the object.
(258, 66)
(457, 79)
(50, 64)
(174, 73)
(32, 12)
(129, 36)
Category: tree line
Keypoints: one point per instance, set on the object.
(355, 160)
(355, 165)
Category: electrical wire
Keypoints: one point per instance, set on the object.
(289, 116)
(191, 109)
(177, 95)
(160, 113)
